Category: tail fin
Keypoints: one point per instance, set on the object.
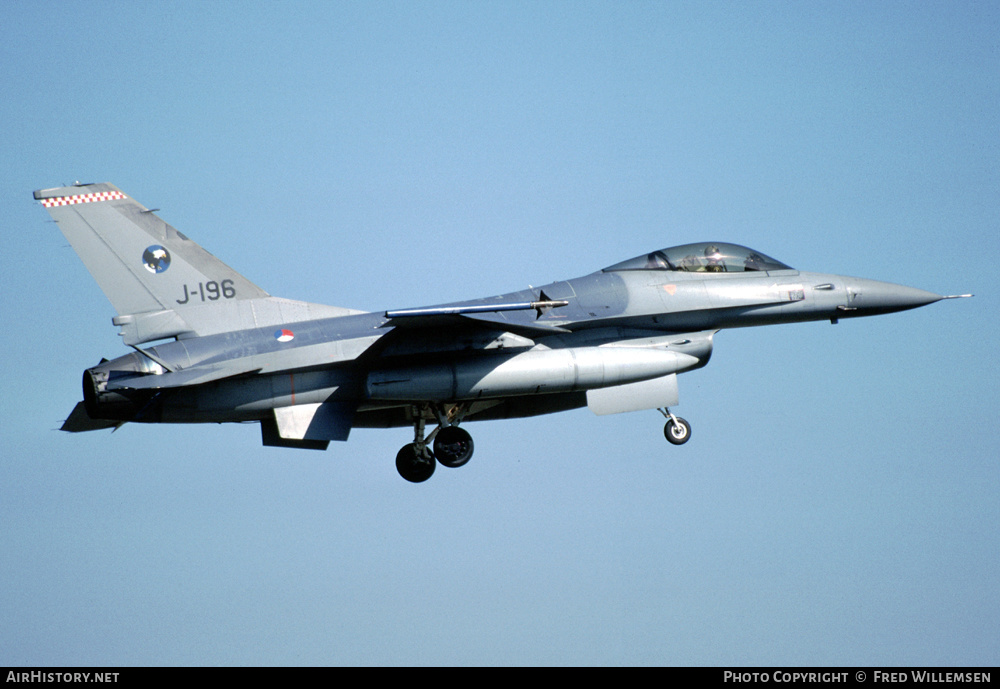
(141, 263)
(160, 282)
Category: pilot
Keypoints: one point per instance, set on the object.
(713, 260)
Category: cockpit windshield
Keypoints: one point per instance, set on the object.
(707, 257)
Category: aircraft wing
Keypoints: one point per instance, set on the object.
(541, 306)
(447, 321)
(478, 315)
(434, 319)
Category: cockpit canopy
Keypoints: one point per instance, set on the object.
(706, 257)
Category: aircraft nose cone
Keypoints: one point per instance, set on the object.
(872, 296)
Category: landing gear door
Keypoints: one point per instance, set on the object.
(646, 394)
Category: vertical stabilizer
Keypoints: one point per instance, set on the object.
(141, 263)
(161, 283)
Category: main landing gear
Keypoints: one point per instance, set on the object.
(452, 445)
(677, 431)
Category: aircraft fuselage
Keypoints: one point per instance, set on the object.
(628, 322)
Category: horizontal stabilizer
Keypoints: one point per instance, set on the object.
(189, 376)
(80, 422)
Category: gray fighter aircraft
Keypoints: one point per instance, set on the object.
(227, 351)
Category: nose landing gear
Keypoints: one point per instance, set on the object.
(677, 431)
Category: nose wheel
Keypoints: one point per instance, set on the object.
(677, 431)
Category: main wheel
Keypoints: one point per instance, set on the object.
(453, 446)
(677, 433)
(413, 466)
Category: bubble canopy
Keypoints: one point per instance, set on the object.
(705, 257)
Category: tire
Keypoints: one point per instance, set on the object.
(678, 433)
(453, 446)
(414, 468)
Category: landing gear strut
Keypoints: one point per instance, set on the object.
(677, 431)
(453, 446)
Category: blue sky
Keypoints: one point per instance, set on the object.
(837, 503)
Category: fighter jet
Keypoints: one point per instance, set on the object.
(224, 350)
